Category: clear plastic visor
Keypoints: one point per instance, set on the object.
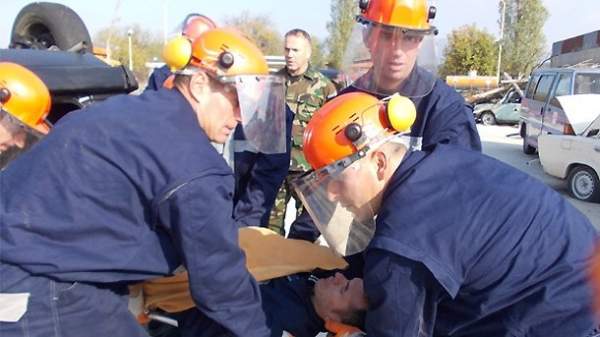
(262, 108)
(15, 137)
(382, 60)
(345, 221)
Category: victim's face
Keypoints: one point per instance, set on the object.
(336, 295)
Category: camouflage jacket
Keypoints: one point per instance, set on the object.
(305, 94)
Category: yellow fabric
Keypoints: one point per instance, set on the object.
(268, 256)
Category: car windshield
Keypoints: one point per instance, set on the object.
(587, 84)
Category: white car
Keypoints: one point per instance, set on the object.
(576, 158)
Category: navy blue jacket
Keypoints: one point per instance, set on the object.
(158, 78)
(468, 246)
(443, 117)
(286, 302)
(258, 176)
(126, 190)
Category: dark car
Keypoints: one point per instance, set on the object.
(51, 40)
(339, 79)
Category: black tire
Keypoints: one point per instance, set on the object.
(527, 149)
(488, 118)
(583, 184)
(41, 25)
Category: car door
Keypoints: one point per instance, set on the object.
(509, 111)
(554, 119)
(537, 104)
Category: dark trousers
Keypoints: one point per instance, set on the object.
(67, 309)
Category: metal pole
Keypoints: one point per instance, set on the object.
(129, 34)
(500, 40)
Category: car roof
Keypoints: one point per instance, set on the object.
(565, 70)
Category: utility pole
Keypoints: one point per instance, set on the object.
(500, 39)
(129, 36)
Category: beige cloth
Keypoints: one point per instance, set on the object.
(268, 256)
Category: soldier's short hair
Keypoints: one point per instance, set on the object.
(299, 32)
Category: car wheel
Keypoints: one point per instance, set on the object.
(41, 25)
(527, 149)
(488, 118)
(583, 184)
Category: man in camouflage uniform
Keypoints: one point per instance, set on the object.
(306, 91)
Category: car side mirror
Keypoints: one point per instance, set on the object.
(593, 133)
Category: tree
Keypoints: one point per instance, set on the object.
(469, 48)
(523, 39)
(340, 27)
(259, 29)
(145, 45)
(317, 59)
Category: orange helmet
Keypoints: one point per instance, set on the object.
(233, 60)
(412, 15)
(196, 24)
(223, 51)
(24, 96)
(352, 122)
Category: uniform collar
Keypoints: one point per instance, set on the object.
(406, 168)
(309, 74)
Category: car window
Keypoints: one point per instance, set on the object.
(543, 88)
(587, 84)
(562, 88)
(513, 97)
(532, 84)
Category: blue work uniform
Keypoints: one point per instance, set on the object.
(468, 246)
(158, 78)
(258, 176)
(286, 301)
(443, 117)
(119, 192)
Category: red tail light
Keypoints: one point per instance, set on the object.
(568, 129)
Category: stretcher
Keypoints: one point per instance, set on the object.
(268, 256)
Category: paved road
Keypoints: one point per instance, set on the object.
(504, 143)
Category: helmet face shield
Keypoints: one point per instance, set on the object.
(262, 108)
(382, 60)
(15, 137)
(331, 196)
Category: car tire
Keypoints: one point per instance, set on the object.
(527, 149)
(488, 118)
(583, 184)
(41, 25)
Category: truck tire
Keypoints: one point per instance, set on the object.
(527, 149)
(583, 184)
(41, 25)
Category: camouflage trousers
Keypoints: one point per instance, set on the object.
(285, 194)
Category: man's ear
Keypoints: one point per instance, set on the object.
(380, 160)
(199, 83)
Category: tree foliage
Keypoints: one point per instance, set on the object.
(259, 29)
(145, 45)
(340, 27)
(469, 48)
(318, 58)
(524, 42)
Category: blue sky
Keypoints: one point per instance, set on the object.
(566, 18)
